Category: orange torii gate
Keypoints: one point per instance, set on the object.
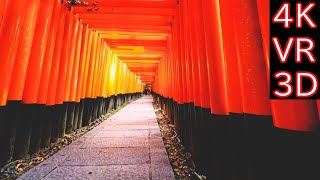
(63, 65)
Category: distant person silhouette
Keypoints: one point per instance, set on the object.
(145, 91)
(149, 90)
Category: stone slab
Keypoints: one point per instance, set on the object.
(138, 172)
(107, 156)
(104, 142)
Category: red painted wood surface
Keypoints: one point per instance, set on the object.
(76, 65)
(215, 57)
(13, 20)
(51, 96)
(49, 54)
(64, 62)
(234, 86)
(71, 59)
(32, 23)
(2, 10)
(253, 75)
(38, 59)
(83, 60)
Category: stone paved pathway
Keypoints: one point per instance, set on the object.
(127, 145)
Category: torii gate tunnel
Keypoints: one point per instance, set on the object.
(65, 63)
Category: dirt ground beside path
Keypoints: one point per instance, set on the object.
(180, 160)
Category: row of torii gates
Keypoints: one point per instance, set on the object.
(65, 63)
